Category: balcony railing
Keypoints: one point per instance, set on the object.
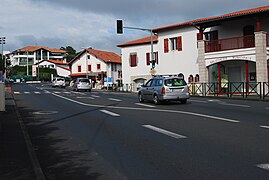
(230, 44)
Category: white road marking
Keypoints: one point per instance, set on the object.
(266, 127)
(154, 110)
(146, 105)
(26, 92)
(110, 113)
(191, 100)
(267, 108)
(263, 166)
(165, 132)
(238, 105)
(47, 92)
(79, 97)
(95, 96)
(57, 92)
(36, 92)
(112, 99)
(17, 92)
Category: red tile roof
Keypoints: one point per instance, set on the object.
(196, 21)
(57, 62)
(233, 14)
(64, 68)
(141, 41)
(35, 48)
(108, 57)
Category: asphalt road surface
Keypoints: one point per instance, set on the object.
(109, 135)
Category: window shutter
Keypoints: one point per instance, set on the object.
(179, 43)
(148, 58)
(133, 60)
(166, 48)
(79, 68)
(157, 58)
(89, 67)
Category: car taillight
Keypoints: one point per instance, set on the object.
(163, 90)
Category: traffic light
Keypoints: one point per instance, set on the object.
(119, 27)
(153, 64)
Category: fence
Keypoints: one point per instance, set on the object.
(257, 90)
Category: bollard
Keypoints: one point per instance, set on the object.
(2, 97)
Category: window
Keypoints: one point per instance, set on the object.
(176, 43)
(148, 84)
(212, 35)
(148, 59)
(79, 68)
(98, 66)
(113, 67)
(166, 47)
(133, 60)
(89, 56)
(89, 67)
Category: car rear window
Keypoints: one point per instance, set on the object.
(83, 80)
(174, 82)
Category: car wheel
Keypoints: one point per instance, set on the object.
(140, 98)
(183, 101)
(156, 99)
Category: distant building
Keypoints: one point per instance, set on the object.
(61, 67)
(101, 66)
(34, 54)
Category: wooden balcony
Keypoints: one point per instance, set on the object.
(230, 44)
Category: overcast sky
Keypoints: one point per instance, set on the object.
(91, 23)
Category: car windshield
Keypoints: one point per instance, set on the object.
(173, 82)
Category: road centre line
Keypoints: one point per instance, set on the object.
(266, 127)
(147, 109)
(112, 99)
(110, 113)
(238, 105)
(165, 132)
(263, 166)
(146, 105)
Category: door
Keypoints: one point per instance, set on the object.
(234, 76)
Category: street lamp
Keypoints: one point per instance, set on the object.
(2, 42)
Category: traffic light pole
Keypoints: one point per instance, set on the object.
(151, 42)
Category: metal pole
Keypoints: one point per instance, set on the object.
(151, 43)
(27, 68)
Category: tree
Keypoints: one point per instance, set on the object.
(71, 53)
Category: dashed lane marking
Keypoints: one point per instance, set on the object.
(17, 92)
(146, 105)
(165, 132)
(110, 113)
(113, 99)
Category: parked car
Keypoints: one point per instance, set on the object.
(164, 88)
(82, 84)
(58, 82)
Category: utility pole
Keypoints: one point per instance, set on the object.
(2, 42)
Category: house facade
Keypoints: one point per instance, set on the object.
(102, 67)
(232, 47)
(61, 67)
(34, 54)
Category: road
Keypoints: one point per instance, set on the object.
(109, 135)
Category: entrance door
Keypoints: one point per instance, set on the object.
(234, 75)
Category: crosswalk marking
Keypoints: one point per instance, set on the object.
(113, 99)
(110, 113)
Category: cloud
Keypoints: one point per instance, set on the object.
(84, 23)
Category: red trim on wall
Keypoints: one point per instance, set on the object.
(219, 76)
(179, 43)
(166, 48)
(247, 80)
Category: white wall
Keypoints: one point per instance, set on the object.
(62, 72)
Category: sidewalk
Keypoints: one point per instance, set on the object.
(15, 161)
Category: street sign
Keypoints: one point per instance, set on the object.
(34, 70)
(153, 71)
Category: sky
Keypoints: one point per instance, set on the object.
(92, 23)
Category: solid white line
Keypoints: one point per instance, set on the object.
(110, 113)
(266, 127)
(154, 110)
(112, 99)
(165, 132)
(263, 166)
(146, 105)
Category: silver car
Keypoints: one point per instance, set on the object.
(58, 82)
(158, 89)
(82, 84)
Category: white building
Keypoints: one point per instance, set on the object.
(33, 54)
(101, 66)
(61, 67)
(233, 47)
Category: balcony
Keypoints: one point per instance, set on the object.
(230, 44)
